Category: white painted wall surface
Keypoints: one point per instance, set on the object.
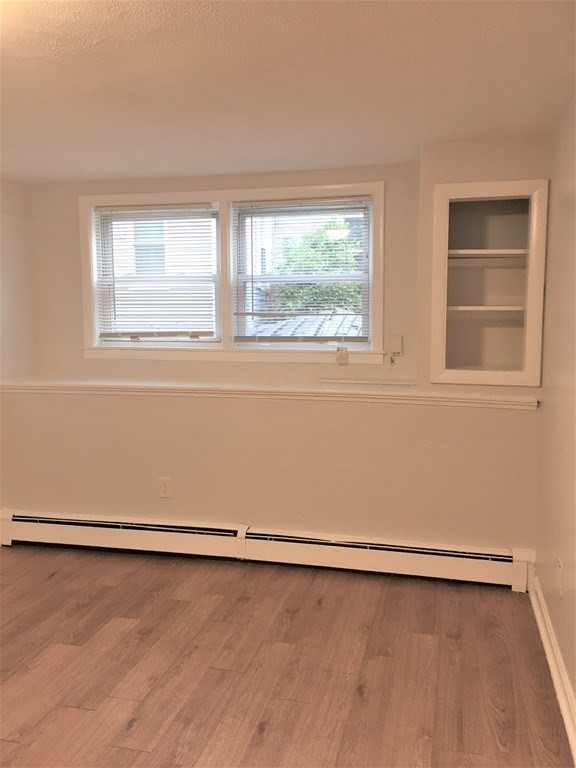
(556, 533)
(444, 475)
(434, 474)
(16, 311)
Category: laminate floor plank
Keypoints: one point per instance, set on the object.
(324, 720)
(170, 641)
(138, 595)
(158, 710)
(121, 660)
(255, 583)
(409, 729)
(15, 607)
(191, 730)
(108, 568)
(210, 576)
(56, 740)
(73, 614)
(241, 646)
(50, 684)
(506, 719)
(27, 635)
(362, 741)
(288, 623)
(90, 691)
(55, 623)
(6, 749)
(334, 609)
(257, 616)
(114, 757)
(423, 607)
(112, 569)
(277, 731)
(41, 565)
(316, 615)
(30, 694)
(391, 617)
(52, 736)
(351, 630)
(14, 566)
(459, 722)
(244, 710)
(443, 758)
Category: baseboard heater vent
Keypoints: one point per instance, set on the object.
(240, 541)
(154, 536)
(500, 558)
(124, 525)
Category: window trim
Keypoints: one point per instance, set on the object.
(226, 350)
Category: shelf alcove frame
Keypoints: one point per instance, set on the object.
(528, 372)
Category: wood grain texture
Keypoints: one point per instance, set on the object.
(116, 660)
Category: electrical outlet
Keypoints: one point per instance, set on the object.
(164, 488)
(396, 346)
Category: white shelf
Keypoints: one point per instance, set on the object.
(486, 308)
(488, 262)
(464, 253)
(488, 368)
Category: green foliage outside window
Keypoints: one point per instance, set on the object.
(335, 248)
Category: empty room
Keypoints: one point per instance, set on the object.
(288, 384)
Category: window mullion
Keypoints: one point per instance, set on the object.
(224, 297)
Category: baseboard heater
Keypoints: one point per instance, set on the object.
(499, 566)
(158, 536)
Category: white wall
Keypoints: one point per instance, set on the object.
(447, 475)
(16, 317)
(556, 533)
(418, 472)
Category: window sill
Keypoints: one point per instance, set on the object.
(270, 355)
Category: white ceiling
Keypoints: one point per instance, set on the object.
(140, 88)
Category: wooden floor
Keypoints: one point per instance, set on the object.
(118, 659)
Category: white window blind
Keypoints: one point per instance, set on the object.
(302, 271)
(157, 273)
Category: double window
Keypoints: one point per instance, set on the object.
(270, 273)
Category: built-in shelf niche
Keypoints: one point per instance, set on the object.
(488, 282)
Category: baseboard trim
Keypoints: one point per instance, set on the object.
(562, 685)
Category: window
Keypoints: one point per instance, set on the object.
(287, 274)
(156, 273)
(302, 271)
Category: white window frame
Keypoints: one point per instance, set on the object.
(225, 350)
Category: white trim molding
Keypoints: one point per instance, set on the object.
(378, 393)
(562, 685)
(240, 540)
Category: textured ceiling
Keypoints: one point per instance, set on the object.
(134, 88)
